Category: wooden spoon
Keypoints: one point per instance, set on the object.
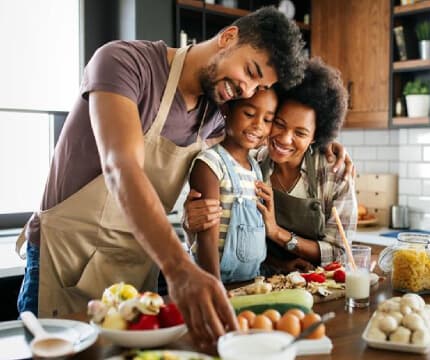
(45, 344)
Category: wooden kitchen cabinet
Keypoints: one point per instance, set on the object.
(354, 36)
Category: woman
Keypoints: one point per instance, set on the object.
(301, 187)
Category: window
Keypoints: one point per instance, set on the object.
(40, 80)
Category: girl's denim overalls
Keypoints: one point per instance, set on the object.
(245, 242)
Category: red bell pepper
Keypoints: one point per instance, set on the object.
(314, 277)
(332, 266)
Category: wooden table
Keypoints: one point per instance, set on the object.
(345, 332)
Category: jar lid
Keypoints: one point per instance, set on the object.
(385, 259)
(413, 238)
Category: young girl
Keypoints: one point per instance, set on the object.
(234, 250)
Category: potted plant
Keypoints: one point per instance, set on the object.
(417, 95)
(422, 29)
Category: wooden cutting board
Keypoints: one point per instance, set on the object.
(335, 294)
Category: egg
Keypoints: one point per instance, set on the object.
(296, 312)
(273, 315)
(262, 322)
(289, 323)
(248, 315)
(308, 320)
(243, 323)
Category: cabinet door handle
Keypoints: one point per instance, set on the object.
(349, 88)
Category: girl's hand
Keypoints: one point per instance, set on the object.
(267, 208)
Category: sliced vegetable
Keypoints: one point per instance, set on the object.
(314, 277)
(294, 297)
(333, 266)
(169, 315)
(145, 322)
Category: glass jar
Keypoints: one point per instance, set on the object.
(409, 263)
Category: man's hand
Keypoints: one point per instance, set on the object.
(336, 153)
(203, 302)
(200, 215)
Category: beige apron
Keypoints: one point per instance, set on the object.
(86, 243)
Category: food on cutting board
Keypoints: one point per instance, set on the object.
(402, 320)
(122, 307)
(321, 281)
(293, 321)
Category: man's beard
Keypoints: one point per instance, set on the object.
(207, 78)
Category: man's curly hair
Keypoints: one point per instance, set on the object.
(322, 89)
(268, 29)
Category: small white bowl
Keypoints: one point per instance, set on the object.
(142, 338)
(256, 345)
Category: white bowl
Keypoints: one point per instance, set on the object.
(142, 338)
(256, 345)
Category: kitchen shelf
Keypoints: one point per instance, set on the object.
(407, 121)
(411, 65)
(224, 11)
(418, 7)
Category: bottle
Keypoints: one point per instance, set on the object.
(399, 107)
(183, 38)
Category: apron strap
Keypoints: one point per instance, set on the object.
(170, 90)
(312, 175)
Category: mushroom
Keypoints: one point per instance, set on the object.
(388, 306)
(420, 337)
(259, 286)
(414, 301)
(397, 315)
(376, 334)
(425, 315)
(413, 321)
(149, 303)
(97, 310)
(128, 309)
(405, 309)
(401, 335)
(387, 324)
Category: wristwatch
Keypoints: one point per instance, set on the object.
(292, 244)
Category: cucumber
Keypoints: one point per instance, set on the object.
(281, 308)
(299, 297)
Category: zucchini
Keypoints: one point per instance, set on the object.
(281, 308)
(300, 297)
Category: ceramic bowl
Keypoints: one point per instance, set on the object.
(142, 338)
(256, 345)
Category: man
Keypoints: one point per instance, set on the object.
(122, 159)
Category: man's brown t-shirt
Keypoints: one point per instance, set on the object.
(139, 71)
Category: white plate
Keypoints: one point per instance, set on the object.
(182, 355)
(142, 338)
(389, 345)
(15, 339)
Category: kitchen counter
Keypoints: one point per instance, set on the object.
(12, 265)
(371, 235)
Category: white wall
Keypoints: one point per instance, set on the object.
(405, 152)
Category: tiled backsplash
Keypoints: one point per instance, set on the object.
(405, 152)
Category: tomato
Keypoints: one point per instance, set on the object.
(145, 322)
(339, 276)
(170, 315)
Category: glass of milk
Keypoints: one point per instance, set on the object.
(357, 281)
(256, 345)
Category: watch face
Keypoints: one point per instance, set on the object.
(291, 245)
